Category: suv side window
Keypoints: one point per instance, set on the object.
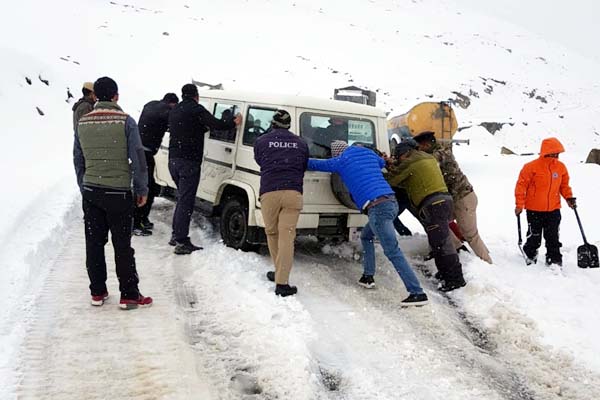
(257, 122)
(319, 130)
(224, 111)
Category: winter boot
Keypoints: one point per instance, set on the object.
(553, 260)
(186, 248)
(285, 290)
(367, 281)
(147, 224)
(132, 304)
(448, 286)
(99, 300)
(414, 300)
(140, 230)
(271, 276)
(462, 248)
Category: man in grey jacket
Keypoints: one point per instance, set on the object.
(105, 140)
(85, 104)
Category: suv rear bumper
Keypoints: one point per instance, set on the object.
(322, 221)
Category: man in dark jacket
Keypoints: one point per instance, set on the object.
(360, 169)
(188, 122)
(153, 123)
(85, 104)
(419, 174)
(282, 157)
(105, 140)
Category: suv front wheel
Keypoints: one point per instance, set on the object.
(234, 224)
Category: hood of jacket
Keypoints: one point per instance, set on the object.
(551, 146)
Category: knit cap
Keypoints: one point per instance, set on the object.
(281, 119)
(338, 147)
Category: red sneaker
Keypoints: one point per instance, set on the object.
(132, 304)
(99, 300)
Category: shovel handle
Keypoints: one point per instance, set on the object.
(519, 228)
(580, 227)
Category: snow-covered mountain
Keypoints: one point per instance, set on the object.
(331, 341)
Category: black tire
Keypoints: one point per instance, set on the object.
(234, 225)
(341, 192)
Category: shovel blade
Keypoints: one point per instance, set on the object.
(587, 256)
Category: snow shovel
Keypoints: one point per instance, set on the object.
(527, 260)
(587, 254)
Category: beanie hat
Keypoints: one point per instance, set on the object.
(426, 136)
(338, 147)
(89, 86)
(171, 98)
(189, 91)
(405, 146)
(105, 88)
(281, 119)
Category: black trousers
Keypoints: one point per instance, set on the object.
(141, 213)
(544, 223)
(186, 175)
(435, 213)
(111, 210)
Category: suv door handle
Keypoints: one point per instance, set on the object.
(228, 149)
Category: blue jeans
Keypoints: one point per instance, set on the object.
(381, 223)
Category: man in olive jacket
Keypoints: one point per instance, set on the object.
(419, 174)
(106, 139)
(461, 190)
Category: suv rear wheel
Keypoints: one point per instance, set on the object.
(234, 224)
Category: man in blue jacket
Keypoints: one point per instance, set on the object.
(360, 169)
(282, 157)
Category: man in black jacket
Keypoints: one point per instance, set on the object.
(153, 123)
(188, 122)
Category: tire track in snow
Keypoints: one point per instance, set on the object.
(73, 350)
(347, 349)
(525, 373)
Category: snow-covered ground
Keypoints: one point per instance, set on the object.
(216, 330)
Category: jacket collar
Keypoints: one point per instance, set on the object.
(107, 105)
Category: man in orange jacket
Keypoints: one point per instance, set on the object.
(540, 185)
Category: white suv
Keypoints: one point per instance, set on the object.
(230, 178)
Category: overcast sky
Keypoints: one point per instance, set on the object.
(574, 23)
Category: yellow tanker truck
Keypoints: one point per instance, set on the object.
(437, 117)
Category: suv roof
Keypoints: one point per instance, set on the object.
(294, 101)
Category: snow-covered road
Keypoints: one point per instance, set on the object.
(216, 331)
(73, 350)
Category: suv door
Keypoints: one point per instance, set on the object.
(219, 152)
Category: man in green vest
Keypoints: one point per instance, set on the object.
(106, 139)
(419, 174)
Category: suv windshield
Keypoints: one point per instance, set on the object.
(319, 130)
